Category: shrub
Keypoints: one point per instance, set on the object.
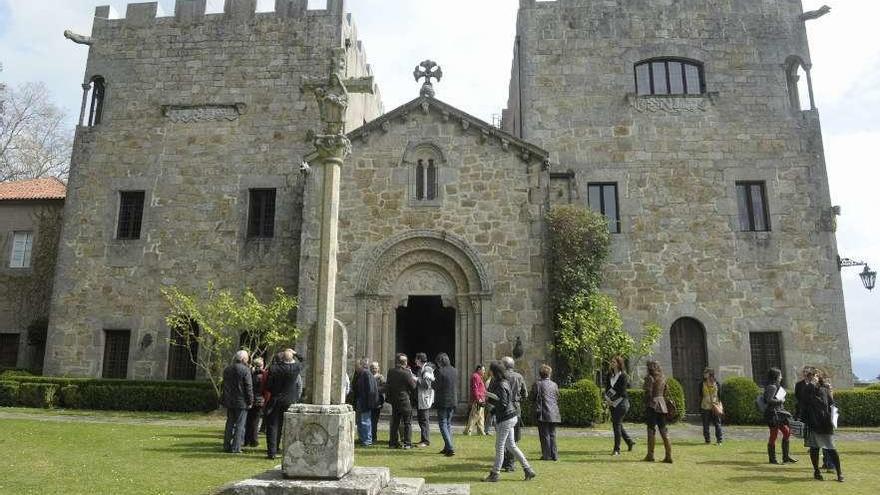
(676, 394)
(146, 398)
(581, 405)
(636, 413)
(68, 397)
(37, 394)
(8, 393)
(738, 396)
(14, 373)
(875, 386)
(858, 407)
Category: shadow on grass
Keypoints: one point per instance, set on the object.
(212, 449)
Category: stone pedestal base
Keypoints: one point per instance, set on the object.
(318, 441)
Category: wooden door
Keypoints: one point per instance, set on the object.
(689, 358)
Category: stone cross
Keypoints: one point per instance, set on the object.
(331, 149)
(428, 69)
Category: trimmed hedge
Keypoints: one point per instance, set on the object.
(43, 395)
(858, 407)
(581, 405)
(636, 413)
(65, 381)
(8, 393)
(875, 386)
(738, 396)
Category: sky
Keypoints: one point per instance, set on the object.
(473, 39)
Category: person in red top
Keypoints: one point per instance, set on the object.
(478, 401)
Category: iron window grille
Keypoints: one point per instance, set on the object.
(669, 76)
(261, 216)
(751, 198)
(131, 214)
(602, 198)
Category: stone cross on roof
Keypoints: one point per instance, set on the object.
(428, 69)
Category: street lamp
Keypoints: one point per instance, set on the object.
(869, 277)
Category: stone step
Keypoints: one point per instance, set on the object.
(446, 489)
(404, 486)
(360, 481)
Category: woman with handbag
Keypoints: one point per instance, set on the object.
(820, 422)
(656, 410)
(777, 417)
(710, 405)
(617, 399)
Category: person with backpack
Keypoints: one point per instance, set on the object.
(820, 423)
(777, 417)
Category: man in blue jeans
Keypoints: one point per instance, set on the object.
(445, 400)
(365, 395)
(238, 397)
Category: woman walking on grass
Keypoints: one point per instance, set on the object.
(777, 417)
(710, 404)
(478, 399)
(656, 410)
(617, 399)
(820, 423)
(500, 396)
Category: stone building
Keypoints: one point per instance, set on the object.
(680, 120)
(30, 224)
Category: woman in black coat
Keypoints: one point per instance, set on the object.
(777, 417)
(617, 399)
(820, 423)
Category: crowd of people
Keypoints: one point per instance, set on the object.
(256, 397)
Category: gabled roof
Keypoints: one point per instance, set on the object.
(33, 189)
(468, 122)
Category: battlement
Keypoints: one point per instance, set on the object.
(142, 15)
(737, 6)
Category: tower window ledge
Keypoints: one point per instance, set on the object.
(672, 103)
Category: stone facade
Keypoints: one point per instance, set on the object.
(198, 110)
(676, 161)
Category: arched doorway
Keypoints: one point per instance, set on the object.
(688, 342)
(423, 291)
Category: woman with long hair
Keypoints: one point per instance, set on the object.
(656, 410)
(777, 417)
(820, 423)
(710, 401)
(500, 396)
(617, 399)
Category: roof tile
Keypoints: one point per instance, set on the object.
(48, 188)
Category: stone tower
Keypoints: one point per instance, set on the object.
(186, 170)
(682, 121)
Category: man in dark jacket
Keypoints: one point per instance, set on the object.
(365, 395)
(283, 387)
(400, 386)
(238, 397)
(445, 400)
(259, 375)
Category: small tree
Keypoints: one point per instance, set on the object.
(211, 326)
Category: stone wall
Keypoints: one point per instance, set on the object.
(479, 245)
(198, 109)
(676, 161)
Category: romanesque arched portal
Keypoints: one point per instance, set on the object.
(420, 265)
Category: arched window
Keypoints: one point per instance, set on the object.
(797, 78)
(96, 101)
(669, 76)
(426, 161)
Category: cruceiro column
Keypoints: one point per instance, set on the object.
(318, 438)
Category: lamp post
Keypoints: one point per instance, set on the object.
(869, 277)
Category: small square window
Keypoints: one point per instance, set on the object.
(751, 198)
(261, 213)
(602, 198)
(131, 214)
(22, 243)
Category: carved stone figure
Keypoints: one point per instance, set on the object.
(77, 38)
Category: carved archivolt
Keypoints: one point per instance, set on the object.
(423, 260)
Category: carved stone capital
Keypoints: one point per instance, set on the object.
(332, 146)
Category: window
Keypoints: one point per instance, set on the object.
(603, 199)
(669, 77)
(22, 242)
(751, 200)
(426, 180)
(116, 344)
(182, 347)
(766, 354)
(131, 214)
(8, 350)
(261, 213)
(96, 105)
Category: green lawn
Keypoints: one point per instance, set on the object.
(72, 457)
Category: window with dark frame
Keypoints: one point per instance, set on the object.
(261, 215)
(96, 106)
(426, 180)
(131, 214)
(602, 198)
(766, 351)
(182, 348)
(751, 199)
(669, 76)
(116, 345)
(9, 349)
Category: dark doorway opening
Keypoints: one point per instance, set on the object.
(425, 325)
(689, 359)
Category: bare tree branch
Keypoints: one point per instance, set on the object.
(34, 142)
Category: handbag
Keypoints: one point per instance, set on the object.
(797, 428)
(718, 409)
(671, 409)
